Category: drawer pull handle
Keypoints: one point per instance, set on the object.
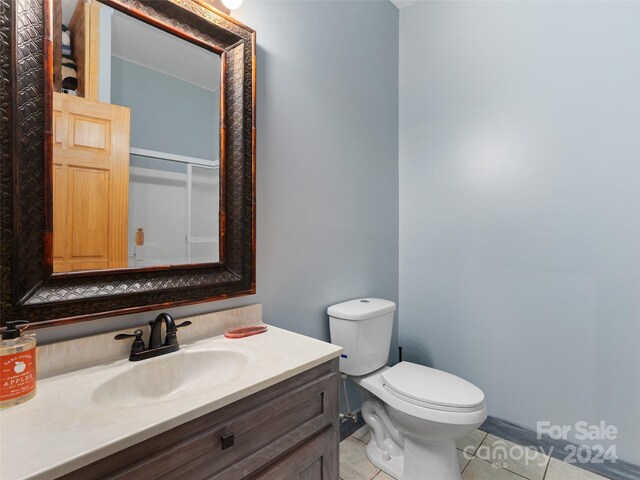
(226, 440)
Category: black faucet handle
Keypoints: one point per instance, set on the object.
(172, 336)
(138, 343)
(123, 336)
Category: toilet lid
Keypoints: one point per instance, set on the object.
(430, 387)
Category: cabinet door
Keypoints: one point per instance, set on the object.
(317, 459)
(90, 184)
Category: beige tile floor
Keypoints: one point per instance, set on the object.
(481, 457)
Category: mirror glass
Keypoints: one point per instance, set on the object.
(136, 120)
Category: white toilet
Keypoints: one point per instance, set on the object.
(415, 413)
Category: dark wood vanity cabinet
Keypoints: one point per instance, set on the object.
(287, 431)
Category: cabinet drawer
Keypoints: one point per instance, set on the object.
(259, 435)
(264, 427)
(317, 459)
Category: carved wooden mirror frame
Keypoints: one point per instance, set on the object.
(29, 289)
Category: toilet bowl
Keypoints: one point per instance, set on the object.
(415, 413)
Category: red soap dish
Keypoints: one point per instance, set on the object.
(245, 331)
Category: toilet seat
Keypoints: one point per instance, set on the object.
(374, 384)
(430, 388)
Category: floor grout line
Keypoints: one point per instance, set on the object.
(466, 465)
(546, 470)
(361, 441)
(481, 442)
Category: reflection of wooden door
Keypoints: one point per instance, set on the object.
(90, 184)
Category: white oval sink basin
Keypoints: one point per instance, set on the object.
(170, 377)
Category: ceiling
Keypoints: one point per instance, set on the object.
(143, 44)
(67, 10)
(403, 3)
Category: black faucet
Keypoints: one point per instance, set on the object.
(156, 346)
(156, 329)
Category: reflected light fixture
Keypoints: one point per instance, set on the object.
(232, 4)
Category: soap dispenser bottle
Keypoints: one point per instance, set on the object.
(17, 365)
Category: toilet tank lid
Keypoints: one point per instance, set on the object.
(361, 309)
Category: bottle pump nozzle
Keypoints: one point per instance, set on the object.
(12, 329)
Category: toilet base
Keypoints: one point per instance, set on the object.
(391, 465)
(432, 462)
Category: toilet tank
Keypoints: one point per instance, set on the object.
(362, 327)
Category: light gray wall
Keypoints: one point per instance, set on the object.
(168, 114)
(520, 205)
(327, 169)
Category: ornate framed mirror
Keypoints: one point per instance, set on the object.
(127, 156)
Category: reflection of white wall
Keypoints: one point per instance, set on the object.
(204, 213)
(160, 200)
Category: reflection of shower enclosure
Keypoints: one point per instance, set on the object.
(175, 199)
(202, 220)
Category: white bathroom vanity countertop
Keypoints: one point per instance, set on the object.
(62, 428)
